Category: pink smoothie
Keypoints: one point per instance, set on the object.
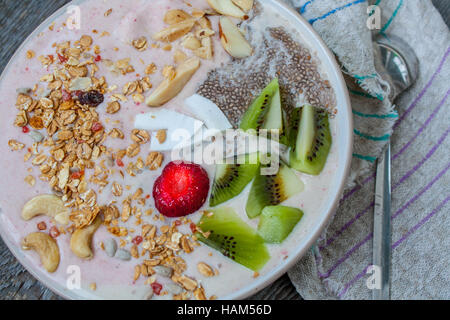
(113, 277)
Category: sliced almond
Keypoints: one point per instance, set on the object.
(204, 23)
(176, 16)
(245, 5)
(204, 33)
(175, 31)
(190, 42)
(228, 8)
(232, 39)
(169, 88)
(206, 51)
(197, 13)
(179, 56)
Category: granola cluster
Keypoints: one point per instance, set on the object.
(71, 155)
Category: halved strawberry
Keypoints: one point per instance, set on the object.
(181, 189)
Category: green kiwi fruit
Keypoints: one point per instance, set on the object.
(277, 222)
(255, 115)
(270, 190)
(231, 178)
(294, 124)
(223, 230)
(266, 112)
(312, 143)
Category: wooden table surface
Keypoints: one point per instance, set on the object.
(18, 19)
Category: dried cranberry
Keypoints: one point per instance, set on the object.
(193, 227)
(66, 96)
(97, 126)
(42, 226)
(54, 232)
(61, 58)
(77, 175)
(137, 240)
(119, 162)
(98, 58)
(92, 98)
(156, 288)
(25, 129)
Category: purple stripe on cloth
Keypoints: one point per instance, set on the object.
(400, 211)
(428, 156)
(408, 110)
(350, 283)
(358, 187)
(346, 226)
(345, 257)
(422, 93)
(395, 186)
(417, 195)
(422, 128)
(397, 243)
(421, 223)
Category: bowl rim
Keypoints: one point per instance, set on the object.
(277, 272)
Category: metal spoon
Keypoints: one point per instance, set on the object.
(397, 64)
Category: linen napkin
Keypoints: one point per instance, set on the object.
(337, 267)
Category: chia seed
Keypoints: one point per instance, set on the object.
(233, 87)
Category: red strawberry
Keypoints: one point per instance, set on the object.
(181, 189)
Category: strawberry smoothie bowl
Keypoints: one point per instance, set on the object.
(103, 195)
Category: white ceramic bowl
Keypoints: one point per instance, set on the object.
(344, 141)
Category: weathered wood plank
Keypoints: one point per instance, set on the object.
(443, 7)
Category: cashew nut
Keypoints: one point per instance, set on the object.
(47, 204)
(81, 239)
(45, 246)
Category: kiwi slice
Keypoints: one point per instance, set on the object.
(274, 116)
(265, 112)
(230, 179)
(294, 124)
(275, 119)
(277, 222)
(223, 230)
(270, 190)
(312, 143)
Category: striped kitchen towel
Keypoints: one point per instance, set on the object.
(337, 267)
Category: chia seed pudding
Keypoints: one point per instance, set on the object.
(82, 184)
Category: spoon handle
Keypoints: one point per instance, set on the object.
(382, 226)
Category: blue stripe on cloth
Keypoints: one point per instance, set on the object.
(365, 94)
(394, 14)
(329, 13)
(303, 7)
(378, 116)
(376, 4)
(373, 138)
(367, 158)
(360, 79)
(369, 76)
